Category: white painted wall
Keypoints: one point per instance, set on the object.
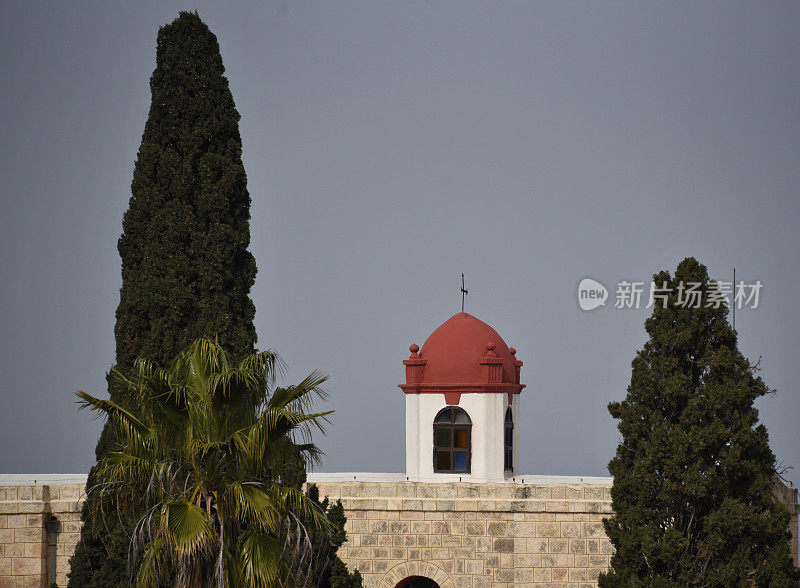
(487, 412)
(517, 423)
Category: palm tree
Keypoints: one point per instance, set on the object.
(210, 452)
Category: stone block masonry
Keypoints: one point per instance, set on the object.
(788, 495)
(475, 535)
(23, 538)
(464, 535)
(547, 532)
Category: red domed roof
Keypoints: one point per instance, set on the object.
(463, 355)
(454, 351)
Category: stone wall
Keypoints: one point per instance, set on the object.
(547, 533)
(23, 539)
(482, 535)
(474, 535)
(788, 496)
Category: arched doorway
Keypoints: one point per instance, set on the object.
(417, 582)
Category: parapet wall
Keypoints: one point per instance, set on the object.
(788, 495)
(547, 531)
(476, 535)
(24, 541)
(480, 535)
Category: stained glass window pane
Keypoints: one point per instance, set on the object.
(509, 441)
(461, 417)
(443, 460)
(460, 461)
(443, 438)
(461, 438)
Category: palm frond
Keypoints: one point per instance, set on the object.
(154, 565)
(268, 363)
(187, 527)
(251, 504)
(119, 465)
(259, 557)
(293, 501)
(126, 422)
(207, 449)
(302, 394)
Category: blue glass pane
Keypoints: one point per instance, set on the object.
(460, 462)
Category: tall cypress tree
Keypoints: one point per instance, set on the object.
(693, 475)
(186, 270)
(327, 569)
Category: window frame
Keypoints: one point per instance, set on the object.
(452, 426)
(508, 441)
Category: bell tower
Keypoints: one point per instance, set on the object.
(462, 405)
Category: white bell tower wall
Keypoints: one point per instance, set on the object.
(487, 413)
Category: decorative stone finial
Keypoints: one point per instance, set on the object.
(413, 348)
(512, 351)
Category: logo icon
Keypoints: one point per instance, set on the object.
(591, 294)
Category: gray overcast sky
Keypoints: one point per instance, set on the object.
(389, 147)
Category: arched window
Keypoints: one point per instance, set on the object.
(452, 441)
(509, 441)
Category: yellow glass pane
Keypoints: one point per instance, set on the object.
(461, 438)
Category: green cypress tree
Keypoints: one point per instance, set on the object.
(327, 569)
(186, 270)
(693, 475)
